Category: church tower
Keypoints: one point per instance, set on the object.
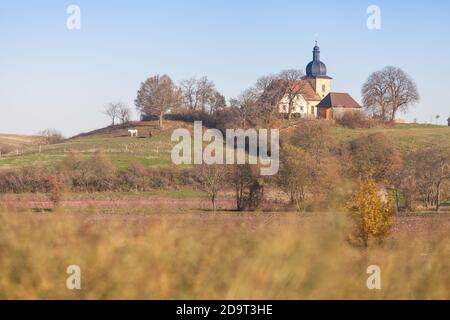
(316, 74)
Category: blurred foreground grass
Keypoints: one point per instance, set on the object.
(205, 256)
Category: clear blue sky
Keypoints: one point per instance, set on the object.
(53, 77)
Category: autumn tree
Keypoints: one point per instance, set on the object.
(372, 216)
(157, 96)
(56, 188)
(389, 91)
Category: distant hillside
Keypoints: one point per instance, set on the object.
(156, 150)
(10, 143)
(151, 150)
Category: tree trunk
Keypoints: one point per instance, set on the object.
(290, 111)
(161, 117)
(213, 200)
(438, 197)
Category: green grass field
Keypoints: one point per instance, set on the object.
(156, 151)
(117, 144)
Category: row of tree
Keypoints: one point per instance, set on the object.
(386, 93)
(159, 95)
(118, 111)
(316, 172)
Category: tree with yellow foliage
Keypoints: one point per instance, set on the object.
(372, 215)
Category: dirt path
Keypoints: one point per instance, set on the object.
(156, 202)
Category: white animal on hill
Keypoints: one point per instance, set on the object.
(134, 133)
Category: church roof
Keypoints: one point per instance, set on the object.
(338, 100)
(302, 87)
(316, 68)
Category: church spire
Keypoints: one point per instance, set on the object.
(316, 53)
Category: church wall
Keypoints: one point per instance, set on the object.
(312, 108)
(322, 84)
(300, 106)
(338, 113)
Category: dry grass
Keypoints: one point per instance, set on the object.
(12, 142)
(223, 256)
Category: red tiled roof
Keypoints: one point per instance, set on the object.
(338, 100)
(304, 88)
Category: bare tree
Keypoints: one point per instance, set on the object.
(297, 186)
(248, 185)
(206, 91)
(289, 81)
(201, 95)
(258, 104)
(52, 136)
(388, 91)
(269, 95)
(218, 102)
(124, 114)
(190, 95)
(431, 171)
(247, 106)
(212, 180)
(157, 96)
(112, 111)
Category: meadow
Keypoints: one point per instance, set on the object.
(166, 243)
(199, 255)
(155, 151)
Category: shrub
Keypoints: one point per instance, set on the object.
(135, 178)
(314, 137)
(248, 185)
(355, 120)
(375, 157)
(56, 189)
(95, 174)
(52, 136)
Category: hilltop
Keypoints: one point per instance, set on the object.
(156, 150)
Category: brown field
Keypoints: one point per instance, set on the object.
(181, 251)
(166, 243)
(10, 143)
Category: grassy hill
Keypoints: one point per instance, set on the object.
(155, 151)
(115, 141)
(10, 143)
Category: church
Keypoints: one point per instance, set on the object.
(315, 99)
